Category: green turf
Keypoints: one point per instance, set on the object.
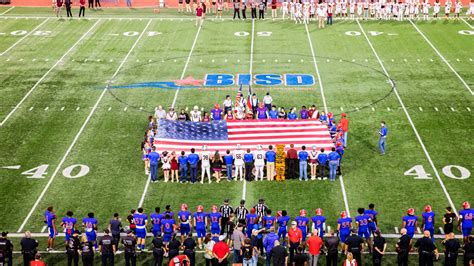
(47, 122)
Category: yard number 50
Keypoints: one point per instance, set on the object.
(418, 171)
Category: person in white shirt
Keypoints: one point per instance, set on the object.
(160, 113)
(227, 104)
(259, 162)
(426, 9)
(436, 8)
(284, 9)
(195, 114)
(239, 162)
(457, 10)
(205, 164)
(447, 8)
(471, 11)
(171, 115)
(267, 100)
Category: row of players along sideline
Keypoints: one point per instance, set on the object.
(174, 165)
(255, 222)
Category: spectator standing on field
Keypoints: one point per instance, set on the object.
(345, 127)
(236, 9)
(383, 137)
(315, 243)
(238, 239)
(91, 4)
(295, 237)
(97, 3)
(115, 226)
(221, 251)
(301, 258)
(279, 255)
(199, 15)
(68, 4)
(29, 247)
(451, 249)
(292, 156)
(331, 243)
(267, 99)
(269, 244)
(6, 250)
(380, 245)
(82, 7)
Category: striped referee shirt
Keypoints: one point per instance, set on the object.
(226, 210)
(261, 209)
(241, 212)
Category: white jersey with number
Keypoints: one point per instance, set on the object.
(259, 158)
(436, 8)
(205, 158)
(471, 9)
(239, 157)
(195, 116)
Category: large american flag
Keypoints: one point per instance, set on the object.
(222, 135)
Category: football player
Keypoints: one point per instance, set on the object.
(282, 221)
(251, 219)
(200, 224)
(69, 224)
(259, 162)
(184, 218)
(90, 225)
(195, 114)
(372, 213)
(362, 221)
(319, 222)
(239, 162)
(465, 220)
(410, 222)
(168, 226)
(205, 164)
(215, 219)
(428, 220)
(156, 218)
(268, 220)
(141, 221)
(303, 222)
(344, 225)
(50, 221)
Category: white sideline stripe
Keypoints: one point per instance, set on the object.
(6, 11)
(448, 197)
(147, 184)
(341, 179)
(186, 64)
(442, 57)
(43, 229)
(441, 230)
(418, 230)
(47, 73)
(396, 230)
(80, 131)
(467, 23)
(22, 38)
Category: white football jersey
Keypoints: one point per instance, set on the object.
(205, 158)
(195, 116)
(239, 157)
(259, 158)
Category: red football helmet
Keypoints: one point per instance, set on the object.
(216, 106)
(200, 208)
(279, 214)
(252, 211)
(466, 205)
(214, 208)
(303, 212)
(428, 208)
(411, 211)
(319, 211)
(329, 114)
(343, 214)
(184, 206)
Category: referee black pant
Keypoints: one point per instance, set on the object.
(97, 3)
(68, 11)
(224, 221)
(82, 10)
(425, 259)
(261, 14)
(254, 12)
(91, 3)
(244, 10)
(237, 11)
(130, 259)
(248, 171)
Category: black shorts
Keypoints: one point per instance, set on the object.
(448, 228)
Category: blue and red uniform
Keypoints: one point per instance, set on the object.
(140, 220)
(216, 114)
(200, 219)
(345, 228)
(428, 222)
(50, 218)
(466, 221)
(251, 220)
(156, 222)
(283, 226)
(69, 223)
(268, 221)
(410, 224)
(318, 223)
(302, 223)
(372, 214)
(184, 219)
(215, 217)
(168, 228)
(363, 222)
(90, 225)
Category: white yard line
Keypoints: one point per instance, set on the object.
(341, 179)
(6, 11)
(186, 64)
(71, 146)
(147, 184)
(22, 38)
(244, 185)
(46, 74)
(442, 57)
(428, 157)
(467, 23)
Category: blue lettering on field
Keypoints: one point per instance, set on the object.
(268, 79)
(299, 80)
(244, 79)
(219, 80)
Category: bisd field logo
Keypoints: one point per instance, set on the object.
(222, 80)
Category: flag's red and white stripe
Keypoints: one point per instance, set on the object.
(250, 133)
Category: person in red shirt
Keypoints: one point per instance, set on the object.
(274, 9)
(82, 7)
(344, 126)
(37, 261)
(199, 15)
(221, 251)
(314, 247)
(292, 156)
(295, 237)
(180, 260)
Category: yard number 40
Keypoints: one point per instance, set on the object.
(72, 171)
(418, 171)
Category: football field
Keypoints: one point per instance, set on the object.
(70, 139)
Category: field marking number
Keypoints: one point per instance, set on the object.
(466, 32)
(418, 171)
(357, 33)
(69, 172)
(259, 33)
